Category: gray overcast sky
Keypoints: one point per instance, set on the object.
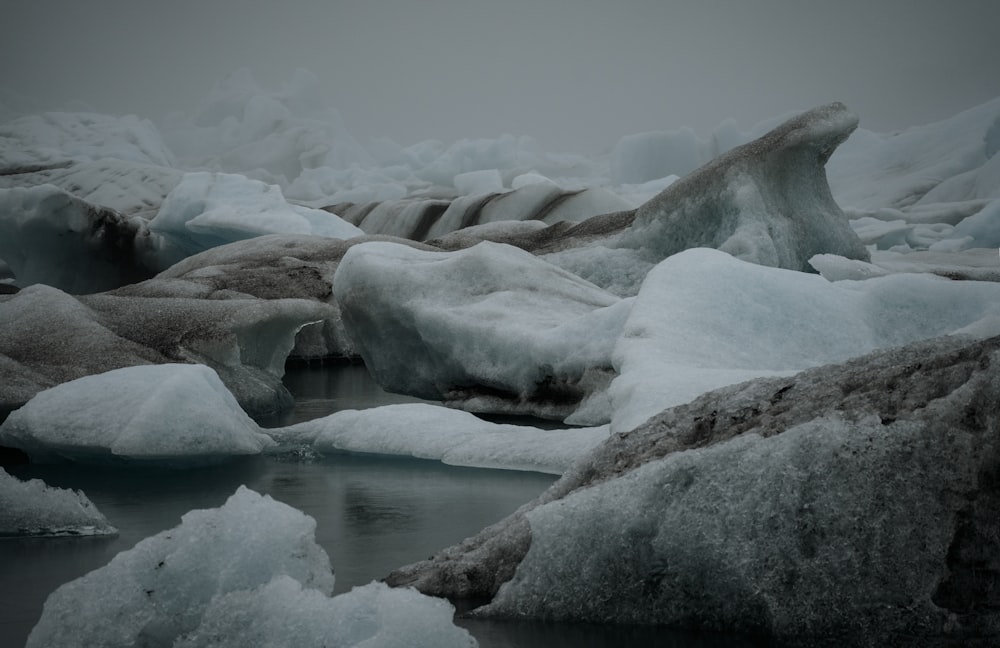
(575, 74)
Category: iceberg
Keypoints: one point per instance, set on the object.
(451, 436)
(704, 319)
(32, 508)
(49, 236)
(209, 209)
(853, 503)
(247, 573)
(767, 202)
(489, 328)
(171, 414)
(51, 337)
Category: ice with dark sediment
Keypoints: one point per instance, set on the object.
(51, 337)
(854, 502)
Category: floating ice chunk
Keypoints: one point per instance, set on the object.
(836, 268)
(210, 209)
(478, 182)
(171, 413)
(776, 535)
(933, 163)
(767, 201)
(492, 323)
(982, 229)
(159, 590)
(50, 337)
(643, 157)
(31, 508)
(450, 436)
(703, 320)
(284, 614)
(49, 236)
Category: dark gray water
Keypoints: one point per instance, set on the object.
(372, 515)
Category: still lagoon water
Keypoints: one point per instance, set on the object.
(372, 514)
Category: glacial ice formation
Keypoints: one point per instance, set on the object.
(51, 337)
(767, 201)
(853, 503)
(168, 414)
(209, 209)
(32, 508)
(49, 236)
(704, 319)
(489, 328)
(450, 436)
(250, 569)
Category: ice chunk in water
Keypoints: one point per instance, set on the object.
(32, 508)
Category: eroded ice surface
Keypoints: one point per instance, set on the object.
(250, 569)
(169, 413)
(451, 436)
(489, 327)
(32, 508)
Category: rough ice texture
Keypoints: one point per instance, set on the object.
(157, 591)
(852, 503)
(704, 319)
(451, 436)
(275, 266)
(246, 574)
(491, 327)
(56, 138)
(767, 201)
(975, 264)
(31, 508)
(209, 209)
(50, 337)
(172, 414)
(52, 237)
(284, 614)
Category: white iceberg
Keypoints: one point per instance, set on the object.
(32, 508)
(170, 413)
(704, 319)
(447, 435)
(487, 328)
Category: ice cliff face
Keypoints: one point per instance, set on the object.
(853, 503)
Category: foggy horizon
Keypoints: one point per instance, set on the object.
(574, 76)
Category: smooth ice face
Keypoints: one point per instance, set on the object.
(767, 202)
(491, 326)
(447, 435)
(703, 319)
(161, 413)
(159, 590)
(31, 508)
(283, 614)
(812, 530)
(209, 209)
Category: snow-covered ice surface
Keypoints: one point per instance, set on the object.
(32, 508)
(450, 436)
(246, 573)
(171, 413)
